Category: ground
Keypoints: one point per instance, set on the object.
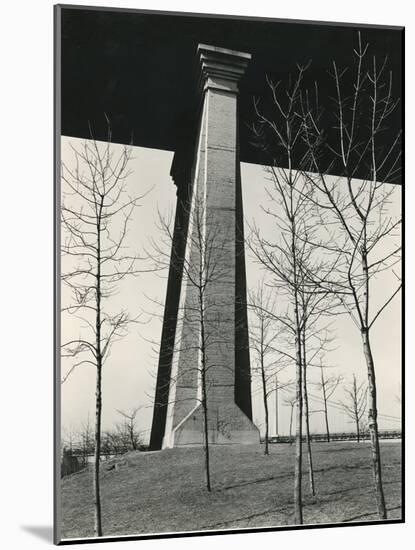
(165, 491)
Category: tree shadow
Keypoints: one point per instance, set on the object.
(283, 475)
(233, 521)
(368, 514)
(359, 488)
(43, 532)
(289, 474)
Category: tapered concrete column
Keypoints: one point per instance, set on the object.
(181, 174)
(215, 242)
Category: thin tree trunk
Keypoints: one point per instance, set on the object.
(373, 426)
(266, 425)
(84, 458)
(264, 391)
(206, 431)
(133, 443)
(307, 420)
(276, 408)
(98, 391)
(298, 499)
(291, 424)
(327, 421)
(326, 415)
(204, 392)
(97, 458)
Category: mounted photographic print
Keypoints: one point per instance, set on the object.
(228, 274)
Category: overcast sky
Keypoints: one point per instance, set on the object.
(129, 374)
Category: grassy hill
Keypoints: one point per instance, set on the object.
(164, 491)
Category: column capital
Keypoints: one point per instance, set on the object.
(221, 68)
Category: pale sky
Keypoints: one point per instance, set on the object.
(129, 374)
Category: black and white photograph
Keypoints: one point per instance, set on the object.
(228, 273)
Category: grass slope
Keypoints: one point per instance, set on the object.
(164, 491)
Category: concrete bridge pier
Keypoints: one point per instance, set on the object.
(209, 232)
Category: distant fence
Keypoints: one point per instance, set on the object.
(343, 436)
(74, 460)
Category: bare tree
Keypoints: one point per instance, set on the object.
(68, 438)
(264, 336)
(86, 440)
(95, 215)
(328, 386)
(289, 255)
(208, 261)
(314, 340)
(317, 337)
(268, 343)
(306, 406)
(281, 256)
(359, 229)
(290, 402)
(129, 427)
(357, 403)
(115, 441)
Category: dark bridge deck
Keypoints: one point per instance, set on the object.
(138, 68)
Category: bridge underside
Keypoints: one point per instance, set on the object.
(139, 68)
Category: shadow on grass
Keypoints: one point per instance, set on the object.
(368, 514)
(339, 448)
(288, 475)
(359, 488)
(287, 513)
(233, 521)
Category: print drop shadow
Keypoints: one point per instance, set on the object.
(43, 532)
